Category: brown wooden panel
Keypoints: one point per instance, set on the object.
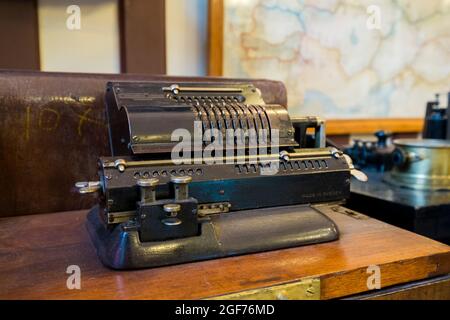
(215, 37)
(363, 126)
(429, 289)
(36, 250)
(142, 36)
(19, 35)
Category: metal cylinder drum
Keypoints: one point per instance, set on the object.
(421, 164)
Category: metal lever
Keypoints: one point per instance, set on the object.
(359, 175)
(181, 186)
(148, 189)
(175, 89)
(172, 210)
(85, 187)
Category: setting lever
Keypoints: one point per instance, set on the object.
(359, 175)
(85, 187)
(148, 189)
(181, 186)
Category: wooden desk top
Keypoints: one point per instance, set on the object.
(36, 250)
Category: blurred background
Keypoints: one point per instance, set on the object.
(339, 59)
(152, 36)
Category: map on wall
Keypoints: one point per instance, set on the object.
(343, 58)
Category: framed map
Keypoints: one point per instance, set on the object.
(342, 59)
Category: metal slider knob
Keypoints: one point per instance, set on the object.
(172, 210)
(284, 155)
(338, 153)
(85, 187)
(120, 165)
(181, 186)
(148, 189)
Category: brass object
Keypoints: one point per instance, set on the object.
(421, 164)
(304, 289)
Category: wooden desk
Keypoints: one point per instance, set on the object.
(36, 250)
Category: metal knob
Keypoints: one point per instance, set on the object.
(284, 155)
(120, 165)
(148, 189)
(172, 210)
(181, 186)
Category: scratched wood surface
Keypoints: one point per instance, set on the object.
(36, 250)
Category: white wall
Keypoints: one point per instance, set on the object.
(96, 48)
(93, 48)
(186, 37)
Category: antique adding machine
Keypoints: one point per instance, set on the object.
(155, 211)
(409, 179)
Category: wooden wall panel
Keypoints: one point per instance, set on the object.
(364, 126)
(19, 35)
(142, 36)
(215, 37)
